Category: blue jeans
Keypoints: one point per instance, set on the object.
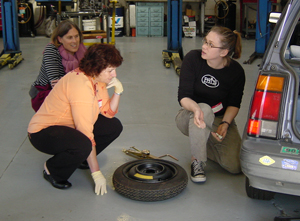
(203, 145)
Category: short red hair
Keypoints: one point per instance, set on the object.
(98, 57)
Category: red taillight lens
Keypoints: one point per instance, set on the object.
(253, 127)
(264, 112)
(265, 105)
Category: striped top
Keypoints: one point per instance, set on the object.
(51, 68)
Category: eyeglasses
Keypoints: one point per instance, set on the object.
(209, 45)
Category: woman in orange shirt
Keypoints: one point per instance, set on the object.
(76, 121)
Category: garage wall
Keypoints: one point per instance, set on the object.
(209, 10)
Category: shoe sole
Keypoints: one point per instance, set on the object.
(198, 179)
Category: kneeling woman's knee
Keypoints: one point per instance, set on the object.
(234, 167)
(85, 147)
(206, 108)
(208, 112)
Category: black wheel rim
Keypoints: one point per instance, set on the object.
(150, 172)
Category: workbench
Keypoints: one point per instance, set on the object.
(95, 34)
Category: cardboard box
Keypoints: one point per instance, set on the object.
(89, 28)
(192, 24)
(89, 25)
(89, 22)
(188, 12)
(189, 31)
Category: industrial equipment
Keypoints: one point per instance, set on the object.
(225, 12)
(262, 33)
(26, 19)
(10, 31)
(174, 53)
(84, 9)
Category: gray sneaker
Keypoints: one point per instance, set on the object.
(197, 172)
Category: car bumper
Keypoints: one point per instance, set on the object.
(270, 171)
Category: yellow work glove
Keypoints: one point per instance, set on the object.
(100, 183)
(117, 84)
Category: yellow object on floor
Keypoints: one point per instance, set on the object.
(15, 60)
(3, 59)
(12, 59)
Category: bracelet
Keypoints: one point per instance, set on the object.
(118, 93)
(225, 122)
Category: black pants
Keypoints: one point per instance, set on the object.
(70, 147)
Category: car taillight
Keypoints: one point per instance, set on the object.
(266, 103)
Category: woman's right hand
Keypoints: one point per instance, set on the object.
(190, 105)
(117, 84)
(199, 118)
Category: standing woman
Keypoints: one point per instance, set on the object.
(60, 56)
(76, 121)
(210, 92)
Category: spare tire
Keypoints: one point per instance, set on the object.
(150, 179)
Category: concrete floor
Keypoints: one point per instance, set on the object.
(147, 111)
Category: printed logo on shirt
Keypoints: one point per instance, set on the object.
(210, 81)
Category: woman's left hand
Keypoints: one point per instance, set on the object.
(221, 132)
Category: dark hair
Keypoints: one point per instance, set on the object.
(98, 57)
(62, 29)
(230, 40)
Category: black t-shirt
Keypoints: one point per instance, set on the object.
(218, 88)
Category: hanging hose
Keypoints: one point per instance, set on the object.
(41, 18)
(25, 6)
(258, 19)
(225, 9)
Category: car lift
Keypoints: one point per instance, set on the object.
(262, 33)
(11, 53)
(174, 53)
